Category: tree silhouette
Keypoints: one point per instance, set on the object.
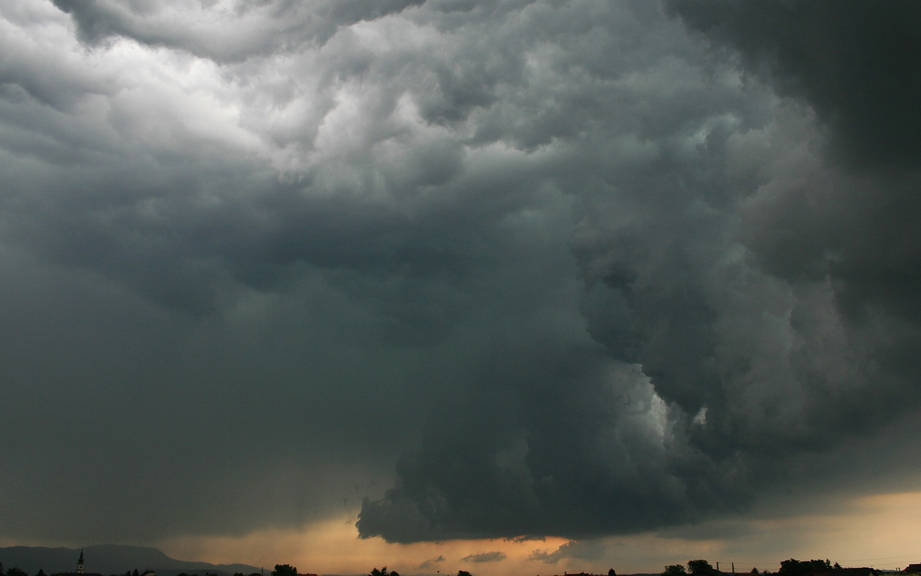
(674, 570)
(698, 567)
(284, 570)
(793, 567)
(611, 572)
(463, 573)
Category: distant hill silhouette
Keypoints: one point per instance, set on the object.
(109, 559)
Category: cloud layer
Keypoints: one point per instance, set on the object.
(485, 269)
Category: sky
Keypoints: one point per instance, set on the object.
(515, 287)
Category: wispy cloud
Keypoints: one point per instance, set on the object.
(485, 557)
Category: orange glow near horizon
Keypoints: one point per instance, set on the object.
(878, 530)
(333, 547)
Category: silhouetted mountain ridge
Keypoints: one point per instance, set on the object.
(109, 559)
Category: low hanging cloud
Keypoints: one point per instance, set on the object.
(477, 268)
(484, 557)
(582, 550)
(432, 563)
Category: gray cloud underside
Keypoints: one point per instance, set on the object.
(577, 268)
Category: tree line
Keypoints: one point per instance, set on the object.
(791, 567)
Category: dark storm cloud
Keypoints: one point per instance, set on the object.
(543, 256)
(855, 63)
(856, 66)
(841, 219)
(484, 557)
(222, 335)
(762, 290)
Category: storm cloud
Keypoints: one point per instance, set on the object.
(761, 287)
(484, 269)
(222, 30)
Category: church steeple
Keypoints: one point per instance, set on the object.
(80, 563)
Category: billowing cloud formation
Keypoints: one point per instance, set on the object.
(852, 62)
(222, 30)
(574, 268)
(860, 77)
(738, 277)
